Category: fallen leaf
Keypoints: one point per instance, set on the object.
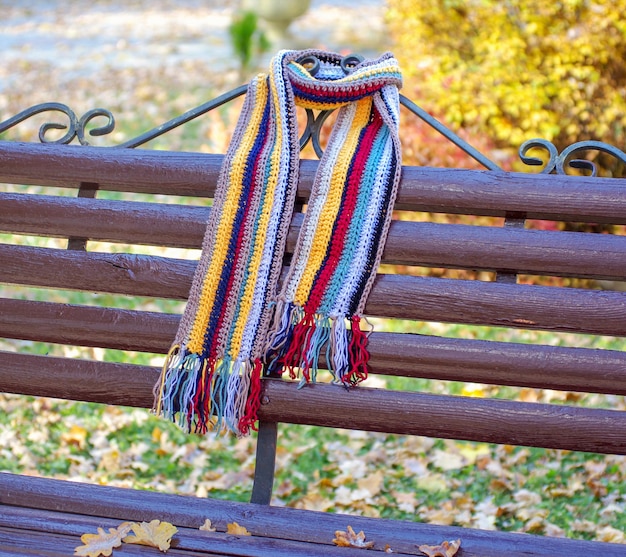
(445, 549)
(447, 461)
(610, 535)
(406, 501)
(207, 527)
(351, 539)
(154, 534)
(372, 483)
(76, 436)
(236, 530)
(103, 542)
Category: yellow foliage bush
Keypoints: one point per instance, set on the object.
(517, 69)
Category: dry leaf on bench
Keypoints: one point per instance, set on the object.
(154, 534)
(236, 530)
(103, 542)
(351, 539)
(207, 526)
(445, 549)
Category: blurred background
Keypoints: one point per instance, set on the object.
(497, 72)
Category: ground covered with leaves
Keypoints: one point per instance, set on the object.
(444, 482)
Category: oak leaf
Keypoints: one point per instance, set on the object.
(236, 530)
(351, 539)
(445, 549)
(154, 534)
(103, 542)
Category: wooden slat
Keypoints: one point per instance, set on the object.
(281, 523)
(422, 188)
(497, 363)
(599, 256)
(499, 304)
(404, 297)
(17, 542)
(450, 417)
(75, 379)
(500, 363)
(44, 531)
(101, 219)
(87, 325)
(428, 357)
(118, 273)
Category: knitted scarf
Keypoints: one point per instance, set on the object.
(240, 323)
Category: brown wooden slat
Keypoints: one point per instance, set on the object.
(87, 325)
(16, 542)
(501, 363)
(600, 256)
(41, 529)
(75, 379)
(571, 369)
(101, 219)
(536, 196)
(448, 417)
(404, 297)
(422, 188)
(119, 273)
(499, 304)
(115, 169)
(285, 523)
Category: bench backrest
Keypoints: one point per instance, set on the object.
(478, 284)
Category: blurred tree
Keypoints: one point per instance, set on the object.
(247, 39)
(517, 69)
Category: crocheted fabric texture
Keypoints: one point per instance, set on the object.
(238, 324)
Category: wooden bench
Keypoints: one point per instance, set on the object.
(41, 516)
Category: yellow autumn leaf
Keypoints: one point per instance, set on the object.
(351, 539)
(154, 534)
(372, 483)
(76, 436)
(236, 530)
(103, 542)
(444, 549)
(207, 526)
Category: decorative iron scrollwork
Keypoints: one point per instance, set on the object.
(559, 162)
(75, 127)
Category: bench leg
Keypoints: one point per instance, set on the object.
(265, 463)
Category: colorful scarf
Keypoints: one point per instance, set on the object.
(238, 325)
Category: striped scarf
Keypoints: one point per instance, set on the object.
(238, 325)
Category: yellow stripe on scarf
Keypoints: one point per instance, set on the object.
(332, 204)
(225, 224)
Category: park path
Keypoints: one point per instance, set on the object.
(77, 40)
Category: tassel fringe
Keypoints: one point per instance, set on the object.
(201, 395)
(302, 338)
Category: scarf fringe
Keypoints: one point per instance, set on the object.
(203, 394)
(302, 337)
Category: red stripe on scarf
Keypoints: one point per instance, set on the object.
(344, 217)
